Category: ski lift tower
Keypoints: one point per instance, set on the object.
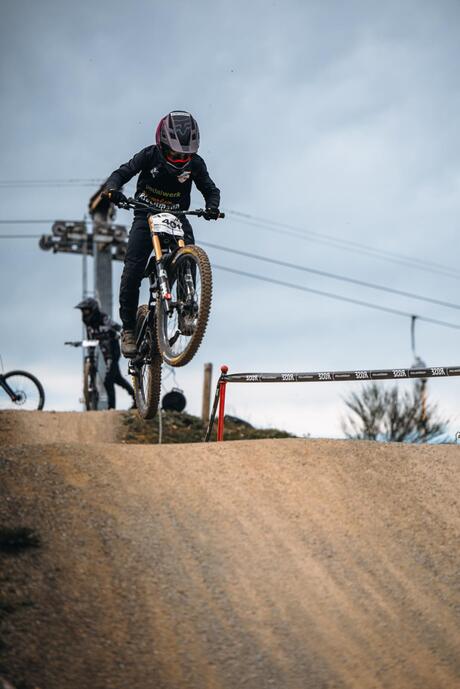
(106, 243)
(102, 211)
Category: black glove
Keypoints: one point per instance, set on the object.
(211, 214)
(116, 196)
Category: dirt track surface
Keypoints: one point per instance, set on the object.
(292, 564)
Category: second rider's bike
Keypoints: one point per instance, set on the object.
(171, 326)
(91, 373)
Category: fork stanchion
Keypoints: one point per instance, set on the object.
(217, 402)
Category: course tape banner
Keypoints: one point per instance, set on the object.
(341, 376)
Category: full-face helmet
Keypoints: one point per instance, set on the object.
(177, 137)
(89, 309)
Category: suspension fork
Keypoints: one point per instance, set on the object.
(163, 282)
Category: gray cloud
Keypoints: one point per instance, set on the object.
(340, 118)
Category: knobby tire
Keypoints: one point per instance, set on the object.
(197, 256)
(39, 388)
(147, 384)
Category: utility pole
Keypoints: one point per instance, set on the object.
(206, 392)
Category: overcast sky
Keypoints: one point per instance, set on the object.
(337, 118)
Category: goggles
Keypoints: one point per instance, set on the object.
(177, 157)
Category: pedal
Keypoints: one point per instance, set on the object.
(135, 364)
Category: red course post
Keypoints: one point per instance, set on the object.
(220, 421)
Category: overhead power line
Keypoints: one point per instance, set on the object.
(25, 222)
(301, 288)
(294, 266)
(297, 233)
(49, 182)
(345, 244)
(20, 236)
(339, 297)
(333, 276)
(274, 226)
(258, 221)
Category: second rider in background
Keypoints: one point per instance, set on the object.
(99, 326)
(167, 170)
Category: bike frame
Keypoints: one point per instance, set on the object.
(159, 284)
(91, 357)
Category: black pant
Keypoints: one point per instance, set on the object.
(137, 254)
(114, 377)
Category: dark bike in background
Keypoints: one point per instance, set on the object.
(20, 390)
(93, 379)
(172, 325)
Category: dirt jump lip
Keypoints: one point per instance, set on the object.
(285, 563)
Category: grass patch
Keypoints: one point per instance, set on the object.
(180, 427)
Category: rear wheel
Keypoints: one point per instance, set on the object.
(147, 377)
(90, 393)
(181, 328)
(28, 392)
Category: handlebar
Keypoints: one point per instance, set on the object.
(131, 203)
(84, 343)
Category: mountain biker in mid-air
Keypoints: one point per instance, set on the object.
(167, 170)
(99, 326)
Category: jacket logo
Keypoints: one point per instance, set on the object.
(184, 176)
(154, 171)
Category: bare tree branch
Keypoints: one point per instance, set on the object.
(389, 415)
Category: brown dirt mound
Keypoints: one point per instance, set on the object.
(117, 427)
(54, 427)
(291, 564)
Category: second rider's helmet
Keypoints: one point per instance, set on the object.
(89, 310)
(177, 137)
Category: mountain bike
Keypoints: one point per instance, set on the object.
(91, 373)
(180, 285)
(172, 325)
(21, 390)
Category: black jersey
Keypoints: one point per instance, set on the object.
(161, 188)
(101, 327)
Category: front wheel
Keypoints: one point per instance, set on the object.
(90, 393)
(182, 322)
(28, 393)
(147, 369)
